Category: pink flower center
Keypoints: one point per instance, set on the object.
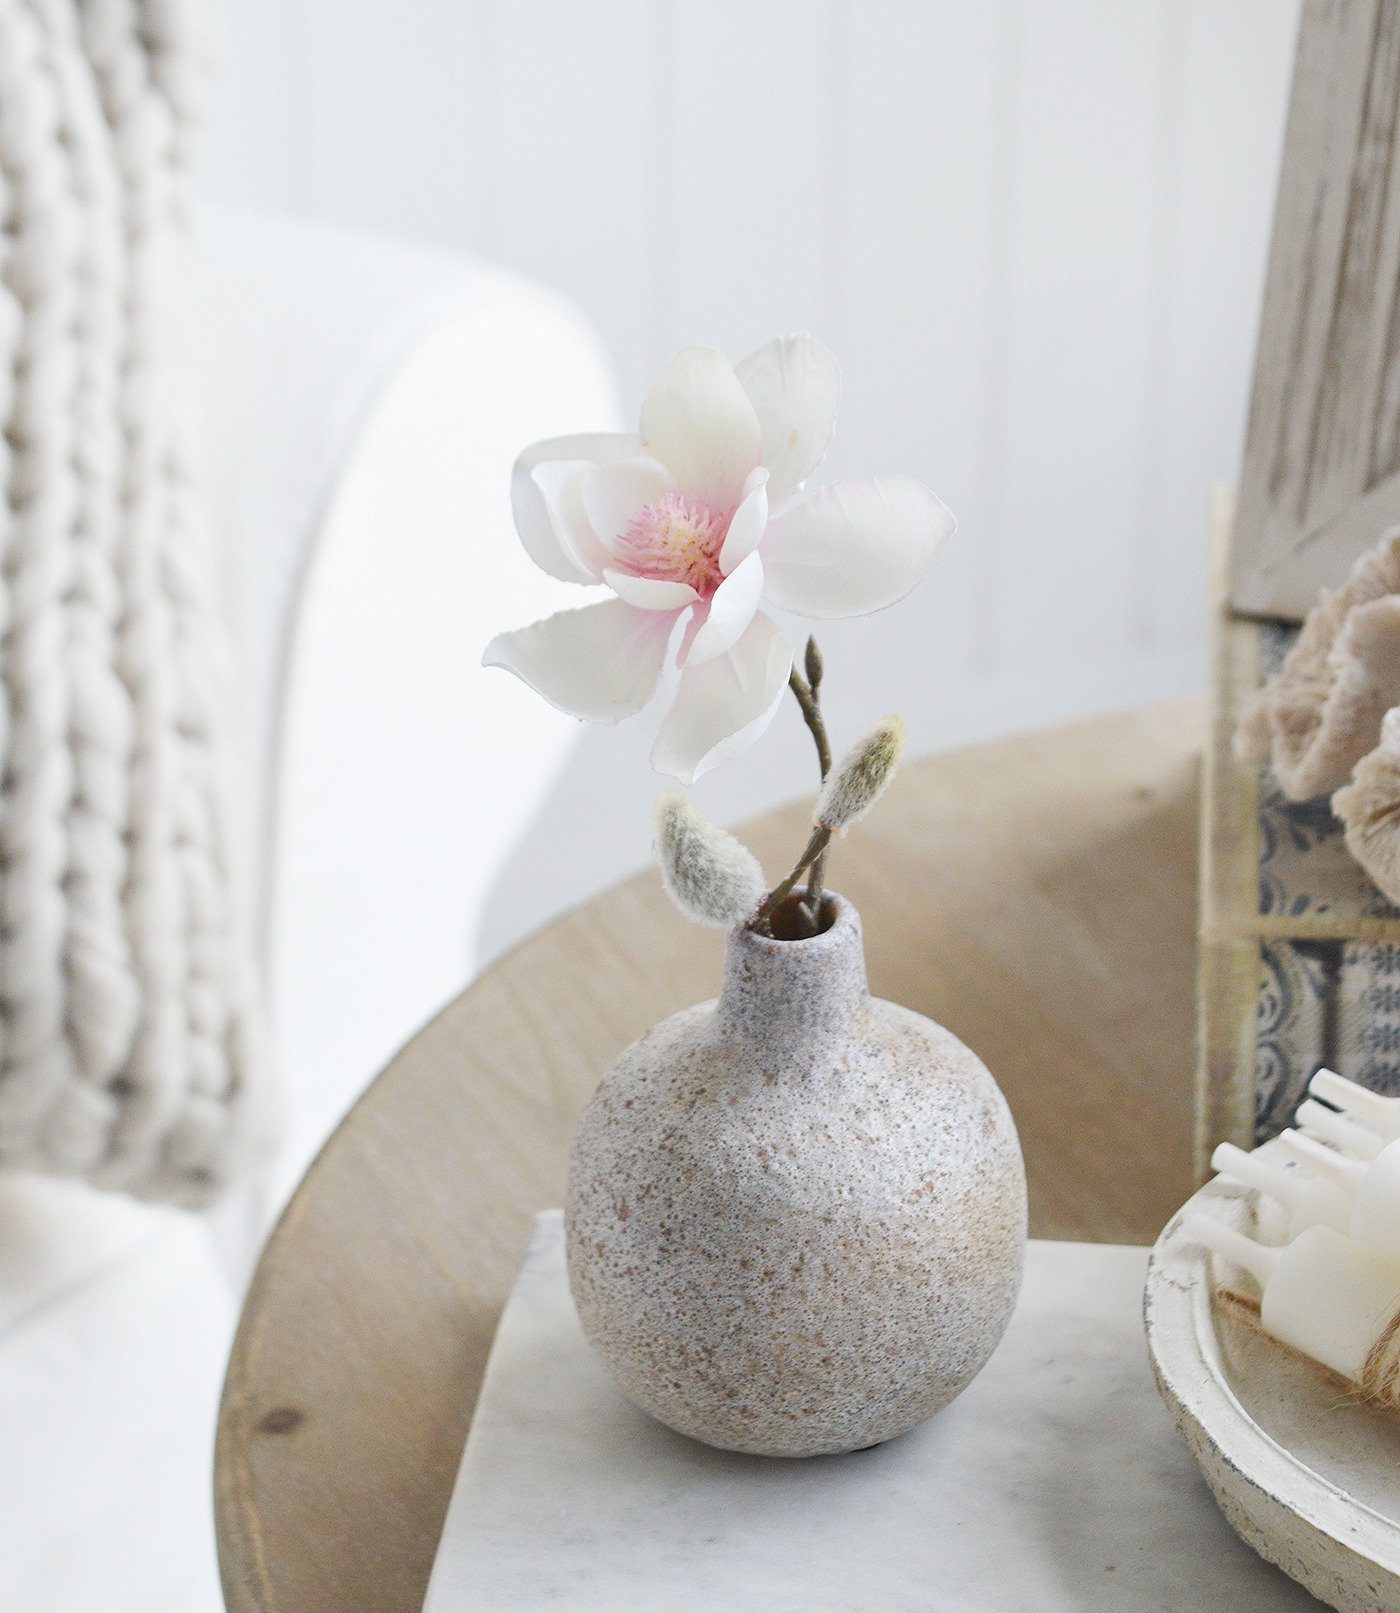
(677, 540)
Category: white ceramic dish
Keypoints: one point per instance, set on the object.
(1304, 1473)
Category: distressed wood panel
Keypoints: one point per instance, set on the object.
(1323, 449)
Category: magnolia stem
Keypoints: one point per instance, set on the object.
(815, 847)
(814, 857)
(812, 716)
(814, 883)
(809, 700)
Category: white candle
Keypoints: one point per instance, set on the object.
(1308, 1199)
(1371, 1107)
(1371, 1186)
(1323, 1294)
(1353, 1137)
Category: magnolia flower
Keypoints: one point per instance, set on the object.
(701, 519)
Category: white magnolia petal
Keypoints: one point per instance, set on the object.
(731, 610)
(650, 593)
(853, 547)
(614, 495)
(794, 385)
(699, 422)
(601, 663)
(724, 706)
(538, 531)
(746, 528)
(561, 482)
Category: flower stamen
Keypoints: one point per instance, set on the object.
(677, 540)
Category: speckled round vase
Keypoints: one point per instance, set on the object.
(796, 1216)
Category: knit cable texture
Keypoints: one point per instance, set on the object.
(130, 1053)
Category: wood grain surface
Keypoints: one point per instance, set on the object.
(1036, 895)
(1321, 476)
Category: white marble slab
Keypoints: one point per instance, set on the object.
(1056, 1482)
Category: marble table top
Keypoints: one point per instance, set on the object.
(1056, 1481)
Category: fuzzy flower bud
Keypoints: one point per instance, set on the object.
(858, 780)
(707, 873)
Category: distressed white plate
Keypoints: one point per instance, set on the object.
(1305, 1475)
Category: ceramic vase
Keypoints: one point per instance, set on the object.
(796, 1216)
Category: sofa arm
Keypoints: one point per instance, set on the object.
(366, 400)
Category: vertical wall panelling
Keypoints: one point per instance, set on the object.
(257, 148)
(1079, 319)
(579, 171)
(300, 100)
(1239, 64)
(833, 290)
(1141, 626)
(920, 277)
(999, 260)
(659, 261)
(749, 108)
(483, 117)
(391, 127)
(1034, 230)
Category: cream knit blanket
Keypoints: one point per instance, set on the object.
(128, 1051)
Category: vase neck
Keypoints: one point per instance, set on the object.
(794, 990)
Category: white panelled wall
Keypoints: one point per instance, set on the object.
(1033, 230)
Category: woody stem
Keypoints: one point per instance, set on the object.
(808, 699)
(815, 847)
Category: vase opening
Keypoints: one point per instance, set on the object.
(791, 921)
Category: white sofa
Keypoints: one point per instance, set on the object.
(365, 400)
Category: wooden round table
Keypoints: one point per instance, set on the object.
(1035, 895)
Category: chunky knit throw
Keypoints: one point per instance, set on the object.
(128, 1049)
